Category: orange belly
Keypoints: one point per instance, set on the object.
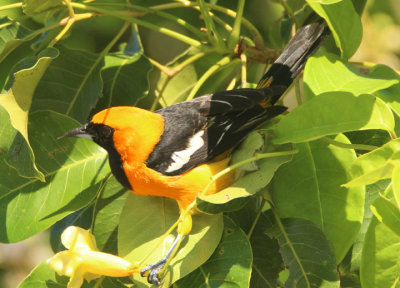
(183, 188)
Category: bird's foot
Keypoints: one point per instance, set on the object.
(152, 272)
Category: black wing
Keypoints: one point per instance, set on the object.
(198, 130)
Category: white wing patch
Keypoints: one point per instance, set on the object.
(182, 157)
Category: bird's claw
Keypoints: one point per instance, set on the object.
(152, 272)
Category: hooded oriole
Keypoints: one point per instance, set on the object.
(173, 152)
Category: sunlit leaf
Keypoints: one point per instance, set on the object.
(41, 277)
(343, 21)
(228, 266)
(74, 171)
(245, 186)
(380, 260)
(17, 102)
(387, 213)
(326, 72)
(309, 187)
(71, 85)
(143, 222)
(333, 113)
(306, 253)
(375, 165)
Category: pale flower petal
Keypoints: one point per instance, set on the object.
(77, 238)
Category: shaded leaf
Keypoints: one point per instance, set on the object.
(333, 113)
(7, 132)
(310, 187)
(375, 165)
(306, 253)
(108, 209)
(143, 222)
(228, 266)
(34, 7)
(343, 21)
(71, 85)
(17, 102)
(74, 170)
(326, 73)
(125, 80)
(267, 260)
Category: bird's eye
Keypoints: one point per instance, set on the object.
(106, 131)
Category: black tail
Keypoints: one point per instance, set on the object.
(293, 58)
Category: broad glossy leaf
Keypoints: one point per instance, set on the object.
(125, 80)
(74, 170)
(310, 187)
(17, 102)
(7, 132)
(267, 260)
(390, 95)
(247, 185)
(108, 210)
(228, 266)
(343, 21)
(71, 85)
(306, 252)
(143, 222)
(387, 213)
(396, 185)
(332, 113)
(41, 277)
(375, 165)
(380, 260)
(326, 72)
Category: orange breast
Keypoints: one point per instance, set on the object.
(183, 188)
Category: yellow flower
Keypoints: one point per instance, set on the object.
(82, 260)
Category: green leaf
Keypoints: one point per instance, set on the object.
(387, 213)
(143, 222)
(11, 36)
(390, 95)
(306, 252)
(71, 85)
(396, 185)
(41, 277)
(17, 102)
(74, 170)
(107, 214)
(380, 260)
(7, 132)
(326, 72)
(120, 87)
(228, 266)
(267, 260)
(310, 187)
(333, 113)
(229, 198)
(343, 21)
(372, 193)
(34, 7)
(375, 165)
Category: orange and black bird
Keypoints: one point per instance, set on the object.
(174, 152)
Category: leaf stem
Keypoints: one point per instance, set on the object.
(70, 21)
(349, 146)
(234, 36)
(253, 225)
(289, 11)
(256, 157)
(128, 17)
(213, 35)
(243, 59)
(11, 6)
(224, 61)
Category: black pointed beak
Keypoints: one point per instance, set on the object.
(77, 132)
